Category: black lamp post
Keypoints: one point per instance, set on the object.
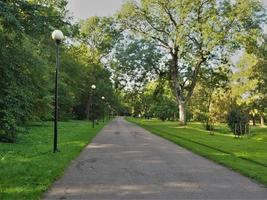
(93, 115)
(57, 36)
(108, 112)
(103, 99)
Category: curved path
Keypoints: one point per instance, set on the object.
(125, 161)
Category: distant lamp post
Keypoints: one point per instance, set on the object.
(93, 115)
(103, 99)
(57, 36)
(108, 112)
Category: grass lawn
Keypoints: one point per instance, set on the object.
(29, 167)
(247, 155)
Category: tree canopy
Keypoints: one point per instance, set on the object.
(193, 35)
(169, 59)
(27, 64)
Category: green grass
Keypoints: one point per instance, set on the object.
(246, 155)
(29, 167)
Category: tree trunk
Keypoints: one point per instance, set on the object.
(254, 121)
(182, 113)
(262, 120)
(177, 87)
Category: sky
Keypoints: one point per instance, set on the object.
(82, 9)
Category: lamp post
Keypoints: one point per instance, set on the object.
(103, 99)
(108, 112)
(93, 115)
(57, 36)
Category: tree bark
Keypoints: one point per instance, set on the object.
(180, 99)
(182, 113)
(262, 120)
(253, 121)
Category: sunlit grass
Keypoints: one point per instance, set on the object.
(247, 155)
(28, 167)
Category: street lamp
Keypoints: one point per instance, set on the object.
(57, 36)
(103, 99)
(93, 116)
(108, 111)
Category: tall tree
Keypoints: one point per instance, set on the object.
(99, 34)
(95, 40)
(208, 88)
(260, 73)
(193, 34)
(25, 29)
(250, 82)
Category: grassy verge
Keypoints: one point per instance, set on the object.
(28, 167)
(247, 155)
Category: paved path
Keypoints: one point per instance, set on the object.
(126, 162)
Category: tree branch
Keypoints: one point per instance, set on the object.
(194, 78)
(149, 21)
(163, 43)
(168, 12)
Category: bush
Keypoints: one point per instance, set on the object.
(237, 121)
(206, 120)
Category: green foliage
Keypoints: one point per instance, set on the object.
(153, 56)
(207, 90)
(238, 121)
(163, 104)
(154, 100)
(133, 60)
(100, 34)
(27, 55)
(192, 35)
(222, 101)
(250, 83)
(25, 66)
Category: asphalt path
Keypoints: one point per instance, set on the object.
(124, 161)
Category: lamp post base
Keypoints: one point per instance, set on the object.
(56, 150)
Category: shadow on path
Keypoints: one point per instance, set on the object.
(125, 161)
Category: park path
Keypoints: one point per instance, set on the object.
(125, 161)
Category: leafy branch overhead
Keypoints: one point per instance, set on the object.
(100, 35)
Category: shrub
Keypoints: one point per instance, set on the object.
(237, 121)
